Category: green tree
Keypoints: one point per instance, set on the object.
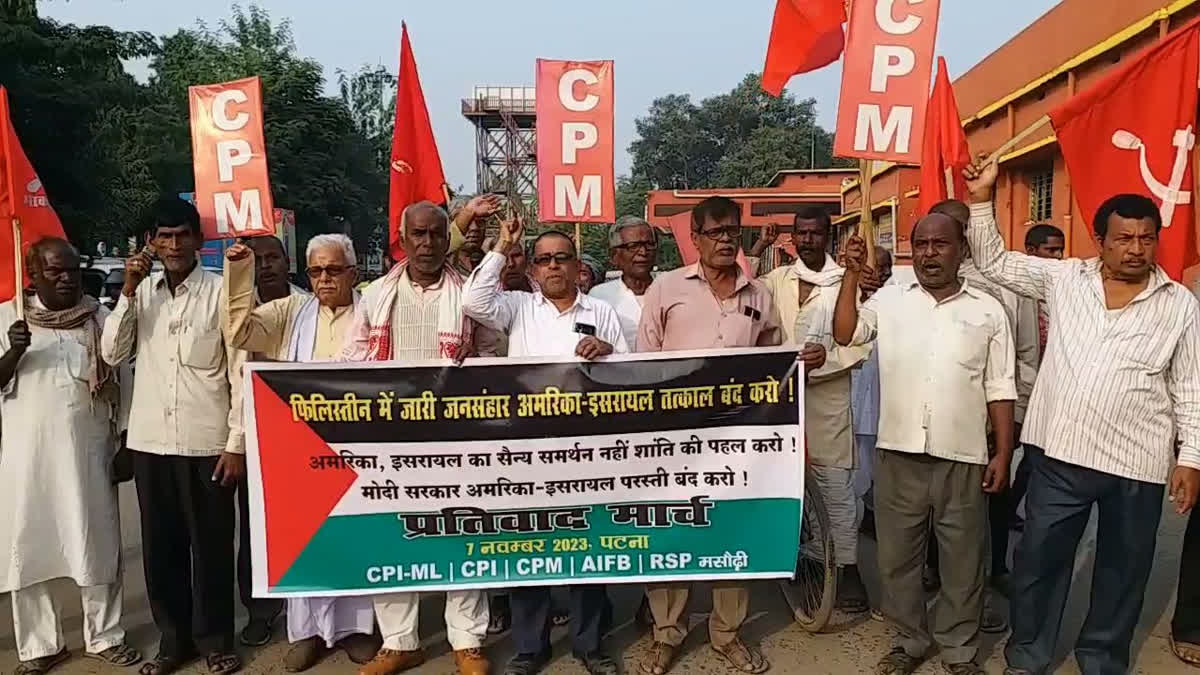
(322, 166)
(70, 95)
(738, 139)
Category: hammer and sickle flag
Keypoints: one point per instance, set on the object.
(416, 173)
(1133, 132)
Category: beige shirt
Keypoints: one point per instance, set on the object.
(187, 392)
(940, 364)
(267, 328)
(681, 311)
(828, 423)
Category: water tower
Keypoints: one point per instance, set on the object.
(505, 120)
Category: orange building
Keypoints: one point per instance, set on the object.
(1063, 52)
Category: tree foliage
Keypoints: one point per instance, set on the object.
(106, 145)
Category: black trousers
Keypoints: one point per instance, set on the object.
(1057, 508)
(590, 611)
(260, 609)
(1185, 626)
(187, 552)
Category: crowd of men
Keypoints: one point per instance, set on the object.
(919, 393)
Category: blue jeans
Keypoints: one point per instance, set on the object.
(1057, 507)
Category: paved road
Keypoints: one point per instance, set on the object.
(851, 647)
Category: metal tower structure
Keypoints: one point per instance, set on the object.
(505, 120)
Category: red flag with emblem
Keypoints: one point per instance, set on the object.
(1133, 132)
(805, 35)
(23, 197)
(416, 168)
(945, 153)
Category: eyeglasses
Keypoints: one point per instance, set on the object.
(635, 246)
(732, 232)
(331, 270)
(560, 258)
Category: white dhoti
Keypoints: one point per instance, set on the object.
(37, 626)
(837, 489)
(466, 619)
(330, 619)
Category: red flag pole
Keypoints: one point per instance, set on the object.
(19, 297)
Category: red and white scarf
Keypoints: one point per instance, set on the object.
(370, 336)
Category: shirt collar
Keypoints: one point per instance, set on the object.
(417, 287)
(1158, 279)
(191, 281)
(693, 271)
(967, 288)
(541, 299)
(796, 269)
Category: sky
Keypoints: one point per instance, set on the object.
(696, 47)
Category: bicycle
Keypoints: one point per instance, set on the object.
(812, 591)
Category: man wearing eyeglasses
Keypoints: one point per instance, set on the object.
(707, 305)
(633, 245)
(302, 327)
(555, 320)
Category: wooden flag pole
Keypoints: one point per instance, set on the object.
(866, 225)
(18, 268)
(579, 239)
(1016, 140)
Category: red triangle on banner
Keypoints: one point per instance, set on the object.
(297, 498)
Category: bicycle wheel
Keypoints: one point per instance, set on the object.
(811, 593)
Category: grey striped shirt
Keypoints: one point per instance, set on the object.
(1116, 386)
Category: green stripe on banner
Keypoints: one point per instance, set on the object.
(368, 553)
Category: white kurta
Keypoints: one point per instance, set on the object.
(58, 506)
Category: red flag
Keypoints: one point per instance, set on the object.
(945, 150)
(23, 197)
(1133, 132)
(805, 35)
(416, 173)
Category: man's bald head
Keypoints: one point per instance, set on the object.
(954, 208)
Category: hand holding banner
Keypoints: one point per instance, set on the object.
(575, 141)
(233, 188)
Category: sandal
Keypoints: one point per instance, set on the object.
(223, 664)
(41, 665)
(741, 658)
(560, 617)
(659, 660)
(164, 665)
(897, 662)
(1188, 652)
(121, 656)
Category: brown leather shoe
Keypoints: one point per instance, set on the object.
(471, 662)
(391, 661)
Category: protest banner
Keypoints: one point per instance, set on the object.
(376, 477)
(229, 159)
(575, 141)
(885, 80)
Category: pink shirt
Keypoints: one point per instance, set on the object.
(681, 311)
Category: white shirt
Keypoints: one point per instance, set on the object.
(533, 324)
(940, 364)
(58, 506)
(187, 396)
(627, 304)
(1116, 387)
(1023, 321)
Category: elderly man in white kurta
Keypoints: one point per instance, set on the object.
(415, 312)
(805, 294)
(58, 504)
(305, 328)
